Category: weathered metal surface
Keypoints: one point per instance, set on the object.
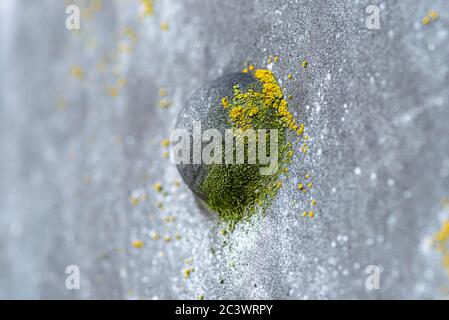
(76, 146)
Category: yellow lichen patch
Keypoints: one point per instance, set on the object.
(445, 202)
(169, 219)
(441, 241)
(187, 272)
(138, 244)
(433, 15)
(271, 96)
(225, 102)
(300, 186)
(304, 214)
(134, 200)
(289, 76)
(130, 33)
(165, 142)
(304, 64)
(157, 187)
(251, 67)
(165, 154)
(425, 20)
(313, 202)
(148, 7)
(154, 235)
(305, 148)
(162, 92)
(200, 297)
(77, 72)
(167, 238)
(164, 26)
(164, 103)
(311, 214)
(177, 236)
(310, 185)
(443, 234)
(112, 91)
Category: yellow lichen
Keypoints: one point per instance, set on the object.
(433, 15)
(164, 26)
(162, 92)
(148, 7)
(169, 219)
(187, 272)
(425, 20)
(112, 91)
(164, 103)
(77, 72)
(130, 33)
(155, 235)
(137, 244)
(134, 200)
(165, 142)
(260, 106)
(157, 187)
(441, 240)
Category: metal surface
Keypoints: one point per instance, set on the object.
(75, 151)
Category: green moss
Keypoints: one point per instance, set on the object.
(235, 191)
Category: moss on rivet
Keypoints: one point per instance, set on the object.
(234, 191)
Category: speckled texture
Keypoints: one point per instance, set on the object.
(205, 108)
(374, 102)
